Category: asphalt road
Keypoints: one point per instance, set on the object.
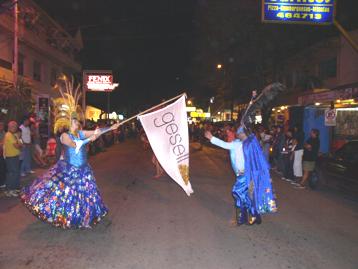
(153, 224)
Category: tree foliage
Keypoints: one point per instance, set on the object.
(16, 102)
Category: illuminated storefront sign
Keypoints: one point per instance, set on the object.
(196, 114)
(299, 11)
(329, 95)
(101, 81)
(190, 108)
(93, 113)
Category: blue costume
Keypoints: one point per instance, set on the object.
(252, 190)
(67, 195)
(258, 180)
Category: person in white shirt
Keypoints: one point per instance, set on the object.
(253, 192)
(26, 149)
(239, 190)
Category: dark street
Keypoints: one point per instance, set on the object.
(153, 224)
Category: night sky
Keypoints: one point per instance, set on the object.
(151, 45)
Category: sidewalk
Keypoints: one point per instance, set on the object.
(26, 180)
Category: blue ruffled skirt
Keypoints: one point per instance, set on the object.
(66, 196)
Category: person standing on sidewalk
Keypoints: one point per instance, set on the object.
(37, 152)
(287, 154)
(297, 160)
(12, 149)
(26, 149)
(310, 155)
(278, 146)
(266, 140)
(2, 160)
(298, 153)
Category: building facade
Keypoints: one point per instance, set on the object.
(45, 51)
(322, 77)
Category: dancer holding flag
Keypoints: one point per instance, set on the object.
(67, 195)
(253, 192)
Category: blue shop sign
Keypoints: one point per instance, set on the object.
(299, 11)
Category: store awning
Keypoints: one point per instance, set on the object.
(339, 93)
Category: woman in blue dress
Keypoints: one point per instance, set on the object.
(67, 195)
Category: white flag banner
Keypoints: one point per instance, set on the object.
(167, 132)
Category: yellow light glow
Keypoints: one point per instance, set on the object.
(65, 107)
(338, 101)
(282, 107)
(190, 108)
(219, 66)
(317, 104)
(190, 102)
(347, 102)
(273, 109)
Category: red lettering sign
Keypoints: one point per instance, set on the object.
(98, 81)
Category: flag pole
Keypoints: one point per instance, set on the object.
(148, 110)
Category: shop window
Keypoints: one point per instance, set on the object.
(347, 124)
(20, 65)
(37, 71)
(328, 68)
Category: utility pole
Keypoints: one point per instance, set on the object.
(84, 92)
(108, 105)
(16, 44)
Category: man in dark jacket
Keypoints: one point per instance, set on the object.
(310, 155)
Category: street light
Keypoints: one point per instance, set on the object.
(219, 66)
(190, 102)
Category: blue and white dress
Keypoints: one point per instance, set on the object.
(67, 195)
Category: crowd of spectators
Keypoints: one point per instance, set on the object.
(293, 157)
(22, 148)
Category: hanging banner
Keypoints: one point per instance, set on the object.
(167, 132)
(319, 12)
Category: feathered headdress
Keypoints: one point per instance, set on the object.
(66, 107)
(258, 102)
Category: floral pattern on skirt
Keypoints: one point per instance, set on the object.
(65, 196)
